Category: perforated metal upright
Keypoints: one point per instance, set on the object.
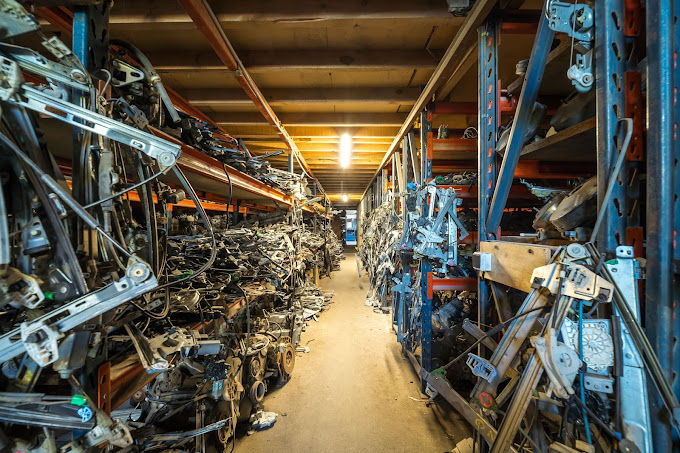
(487, 121)
(404, 307)
(426, 277)
(609, 71)
(658, 300)
(525, 105)
(90, 43)
(676, 190)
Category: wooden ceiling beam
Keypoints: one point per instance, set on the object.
(306, 12)
(310, 147)
(298, 59)
(466, 36)
(287, 96)
(202, 15)
(313, 132)
(314, 119)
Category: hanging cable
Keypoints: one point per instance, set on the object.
(226, 172)
(129, 189)
(206, 221)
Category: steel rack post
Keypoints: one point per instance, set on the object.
(487, 130)
(609, 76)
(414, 159)
(90, 43)
(316, 231)
(676, 189)
(426, 278)
(291, 169)
(395, 204)
(659, 303)
(525, 106)
(402, 319)
(91, 36)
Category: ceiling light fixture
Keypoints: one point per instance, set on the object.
(345, 150)
(345, 197)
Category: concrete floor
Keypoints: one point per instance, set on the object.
(353, 392)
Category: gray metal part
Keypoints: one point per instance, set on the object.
(31, 61)
(164, 152)
(14, 415)
(79, 311)
(15, 20)
(477, 421)
(635, 414)
(510, 344)
(560, 20)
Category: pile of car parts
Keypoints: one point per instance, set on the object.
(127, 325)
(562, 376)
(379, 251)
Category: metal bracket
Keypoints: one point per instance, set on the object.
(137, 281)
(575, 20)
(481, 367)
(635, 411)
(164, 152)
(15, 20)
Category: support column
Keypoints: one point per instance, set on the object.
(487, 132)
(609, 76)
(525, 106)
(659, 303)
(676, 189)
(316, 231)
(425, 265)
(90, 43)
(234, 215)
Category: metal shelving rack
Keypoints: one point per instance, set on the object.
(117, 382)
(643, 213)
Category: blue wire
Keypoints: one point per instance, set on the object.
(580, 356)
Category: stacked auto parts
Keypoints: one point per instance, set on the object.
(124, 322)
(378, 251)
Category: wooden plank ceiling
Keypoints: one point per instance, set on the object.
(325, 67)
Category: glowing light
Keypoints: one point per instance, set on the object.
(345, 197)
(345, 150)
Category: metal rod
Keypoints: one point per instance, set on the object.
(613, 177)
(525, 106)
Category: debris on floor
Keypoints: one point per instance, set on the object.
(262, 420)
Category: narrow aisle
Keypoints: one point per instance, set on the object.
(352, 392)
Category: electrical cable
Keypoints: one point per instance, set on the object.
(151, 75)
(206, 221)
(64, 196)
(595, 418)
(226, 172)
(131, 188)
(4, 234)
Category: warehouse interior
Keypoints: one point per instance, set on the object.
(367, 225)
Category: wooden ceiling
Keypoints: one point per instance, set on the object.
(325, 68)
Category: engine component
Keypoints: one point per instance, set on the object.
(578, 209)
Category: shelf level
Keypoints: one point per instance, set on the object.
(201, 164)
(471, 191)
(454, 284)
(577, 142)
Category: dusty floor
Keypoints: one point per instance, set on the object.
(353, 392)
